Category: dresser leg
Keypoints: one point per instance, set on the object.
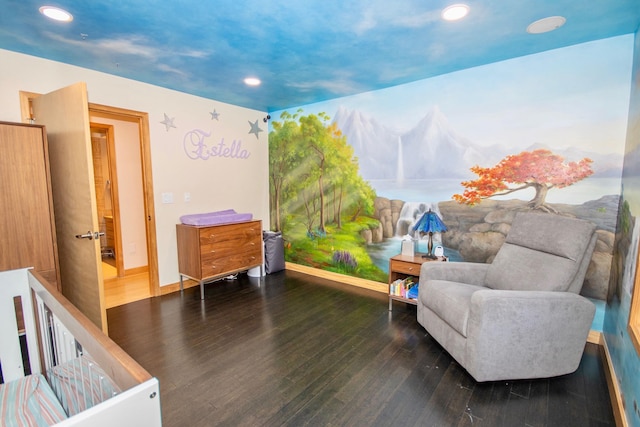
(202, 289)
(181, 284)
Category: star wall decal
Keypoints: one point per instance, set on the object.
(168, 122)
(255, 128)
(214, 114)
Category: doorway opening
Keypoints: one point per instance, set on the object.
(107, 199)
(121, 210)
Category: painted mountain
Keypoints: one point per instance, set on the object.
(375, 146)
(433, 149)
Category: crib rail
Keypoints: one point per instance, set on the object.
(124, 371)
(96, 382)
(76, 379)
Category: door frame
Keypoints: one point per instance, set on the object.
(142, 119)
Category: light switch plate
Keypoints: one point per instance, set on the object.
(167, 197)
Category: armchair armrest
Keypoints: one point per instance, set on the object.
(550, 329)
(462, 272)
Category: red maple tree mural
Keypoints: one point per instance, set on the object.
(538, 169)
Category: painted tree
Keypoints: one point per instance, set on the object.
(321, 146)
(314, 177)
(340, 186)
(349, 192)
(338, 174)
(539, 169)
(284, 158)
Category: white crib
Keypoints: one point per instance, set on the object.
(75, 375)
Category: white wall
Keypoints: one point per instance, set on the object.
(214, 184)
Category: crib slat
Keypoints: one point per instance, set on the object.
(44, 320)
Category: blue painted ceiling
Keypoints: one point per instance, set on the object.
(303, 51)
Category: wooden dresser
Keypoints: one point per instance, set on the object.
(207, 253)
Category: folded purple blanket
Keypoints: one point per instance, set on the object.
(214, 218)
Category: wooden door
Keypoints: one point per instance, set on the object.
(65, 114)
(26, 207)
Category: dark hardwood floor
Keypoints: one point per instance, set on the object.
(298, 350)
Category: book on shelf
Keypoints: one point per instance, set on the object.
(401, 287)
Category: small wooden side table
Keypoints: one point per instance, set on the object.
(403, 266)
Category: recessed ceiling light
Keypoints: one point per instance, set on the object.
(56, 13)
(455, 12)
(545, 25)
(252, 81)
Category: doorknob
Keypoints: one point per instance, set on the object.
(89, 235)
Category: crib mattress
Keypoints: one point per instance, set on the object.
(214, 218)
(29, 401)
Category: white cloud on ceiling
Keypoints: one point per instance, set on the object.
(134, 45)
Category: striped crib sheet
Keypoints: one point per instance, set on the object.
(29, 401)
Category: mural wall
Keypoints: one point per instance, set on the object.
(351, 176)
(625, 269)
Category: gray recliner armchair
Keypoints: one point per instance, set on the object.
(520, 316)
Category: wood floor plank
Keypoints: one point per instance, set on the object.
(299, 350)
(538, 409)
(440, 409)
(515, 411)
(488, 403)
(567, 402)
(598, 407)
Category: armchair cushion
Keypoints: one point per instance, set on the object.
(562, 236)
(523, 269)
(452, 300)
(539, 254)
(472, 273)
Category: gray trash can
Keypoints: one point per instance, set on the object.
(273, 251)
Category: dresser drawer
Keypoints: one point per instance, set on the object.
(228, 234)
(405, 267)
(231, 246)
(215, 265)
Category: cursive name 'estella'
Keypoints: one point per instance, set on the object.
(196, 148)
